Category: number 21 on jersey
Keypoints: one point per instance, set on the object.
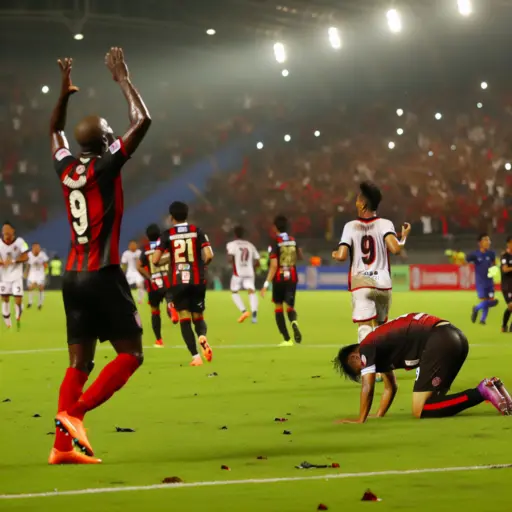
(183, 251)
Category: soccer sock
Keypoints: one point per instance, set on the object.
(485, 312)
(363, 331)
(481, 305)
(442, 406)
(30, 298)
(239, 303)
(70, 391)
(188, 336)
(111, 379)
(18, 308)
(506, 318)
(281, 324)
(156, 323)
(140, 294)
(6, 313)
(41, 297)
(253, 301)
(200, 326)
(292, 314)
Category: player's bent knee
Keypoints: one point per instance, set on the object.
(139, 356)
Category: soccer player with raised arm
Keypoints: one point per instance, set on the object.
(97, 299)
(434, 348)
(483, 259)
(506, 283)
(367, 241)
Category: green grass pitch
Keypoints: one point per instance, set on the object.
(178, 412)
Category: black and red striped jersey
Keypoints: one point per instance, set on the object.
(184, 243)
(285, 250)
(93, 194)
(397, 344)
(159, 273)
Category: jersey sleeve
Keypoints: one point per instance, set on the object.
(45, 258)
(273, 250)
(63, 160)
(346, 236)
(112, 161)
(255, 253)
(144, 259)
(124, 258)
(22, 245)
(471, 257)
(388, 228)
(203, 239)
(368, 358)
(164, 242)
(230, 249)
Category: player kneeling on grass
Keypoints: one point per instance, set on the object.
(432, 346)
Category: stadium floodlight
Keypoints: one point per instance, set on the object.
(453, 147)
(484, 85)
(508, 166)
(287, 138)
(391, 145)
(259, 145)
(394, 21)
(438, 116)
(430, 153)
(78, 36)
(479, 105)
(465, 7)
(279, 52)
(285, 73)
(399, 112)
(211, 32)
(334, 37)
(45, 89)
(400, 131)
(317, 133)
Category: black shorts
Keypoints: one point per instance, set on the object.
(156, 297)
(506, 289)
(189, 297)
(99, 305)
(444, 354)
(284, 292)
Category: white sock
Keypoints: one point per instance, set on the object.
(253, 300)
(41, 297)
(30, 298)
(18, 310)
(363, 331)
(6, 313)
(239, 303)
(141, 294)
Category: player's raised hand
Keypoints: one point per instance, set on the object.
(67, 88)
(406, 229)
(115, 62)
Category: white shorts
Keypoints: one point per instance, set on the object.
(370, 304)
(242, 283)
(14, 288)
(37, 279)
(134, 279)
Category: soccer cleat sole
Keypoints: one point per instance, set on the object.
(297, 335)
(83, 449)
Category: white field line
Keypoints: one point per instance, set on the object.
(182, 347)
(337, 476)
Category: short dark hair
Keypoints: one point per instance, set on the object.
(372, 194)
(179, 211)
(36, 243)
(133, 241)
(341, 363)
(239, 231)
(281, 223)
(8, 223)
(481, 236)
(153, 232)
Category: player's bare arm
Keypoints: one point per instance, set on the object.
(156, 256)
(207, 254)
(140, 120)
(142, 271)
(367, 392)
(394, 245)
(341, 254)
(390, 389)
(506, 269)
(272, 269)
(58, 119)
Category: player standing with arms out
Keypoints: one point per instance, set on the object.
(282, 273)
(368, 241)
(244, 257)
(190, 251)
(506, 283)
(432, 346)
(483, 259)
(13, 254)
(97, 299)
(156, 280)
(37, 264)
(129, 261)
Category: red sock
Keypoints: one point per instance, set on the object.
(111, 379)
(70, 391)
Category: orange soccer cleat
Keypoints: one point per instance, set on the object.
(159, 343)
(173, 314)
(71, 457)
(245, 315)
(75, 428)
(205, 347)
(196, 361)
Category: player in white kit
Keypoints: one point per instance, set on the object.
(368, 241)
(13, 254)
(36, 278)
(244, 257)
(129, 262)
